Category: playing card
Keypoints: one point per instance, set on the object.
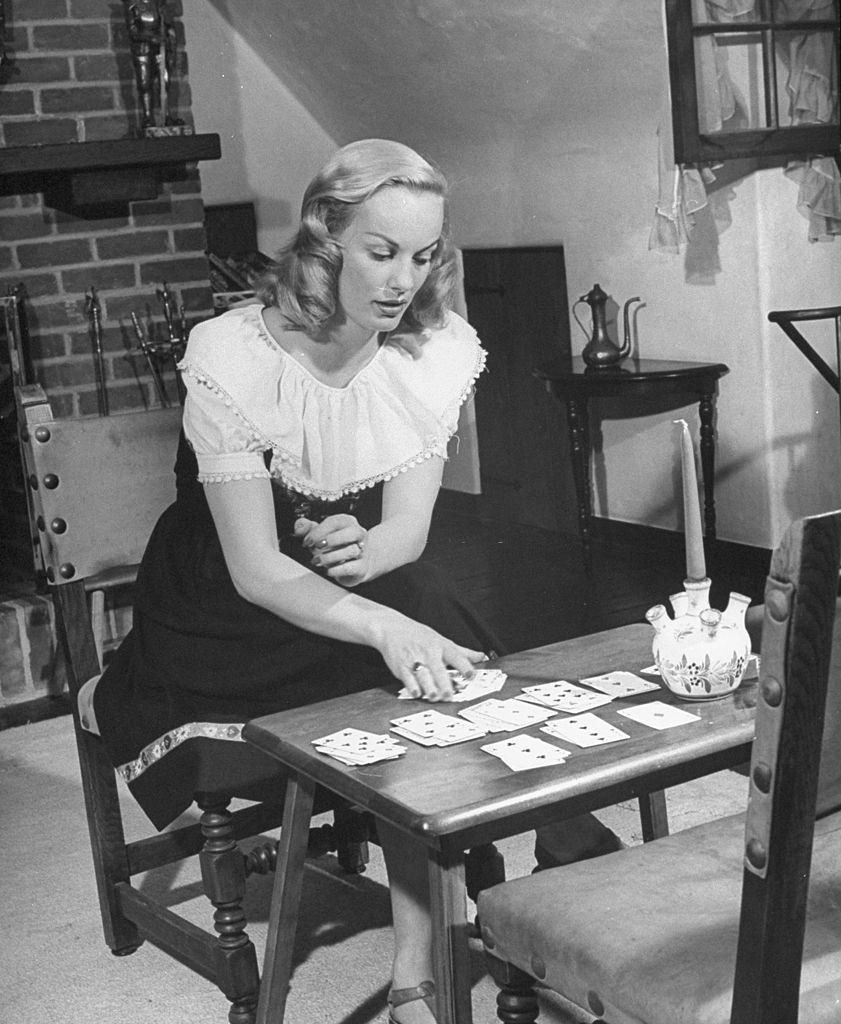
(523, 752)
(482, 682)
(752, 670)
(507, 715)
(564, 696)
(356, 746)
(431, 724)
(425, 741)
(620, 684)
(587, 730)
(487, 722)
(659, 715)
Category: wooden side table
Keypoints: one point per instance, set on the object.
(574, 383)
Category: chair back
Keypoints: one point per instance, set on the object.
(790, 754)
(829, 777)
(97, 484)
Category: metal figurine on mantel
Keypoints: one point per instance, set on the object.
(600, 351)
(701, 653)
(152, 38)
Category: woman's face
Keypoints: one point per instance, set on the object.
(387, 252)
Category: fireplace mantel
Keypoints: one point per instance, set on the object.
(96, 173)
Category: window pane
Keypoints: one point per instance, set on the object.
(730, 80)
(807, 78)
(706, 12)
(803, 10)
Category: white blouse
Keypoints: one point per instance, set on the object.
(246, 396)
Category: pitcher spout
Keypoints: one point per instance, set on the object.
(626, 318)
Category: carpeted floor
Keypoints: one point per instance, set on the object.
(55, 968)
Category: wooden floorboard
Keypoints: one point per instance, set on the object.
(531, 587)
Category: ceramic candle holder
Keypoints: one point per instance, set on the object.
(701, 653)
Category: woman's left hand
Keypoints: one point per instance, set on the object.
(339, 547)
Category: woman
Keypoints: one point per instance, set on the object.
(286, 572)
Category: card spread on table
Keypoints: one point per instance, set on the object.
(357, 747)
(587, 730)
(564, 696)
(433, 729)
(523, 752)
(659, 715)
(480, 684)
(506, 715)
(620, 684)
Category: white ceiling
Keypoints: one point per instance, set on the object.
(407, 67)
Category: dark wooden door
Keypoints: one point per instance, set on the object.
(517, 301)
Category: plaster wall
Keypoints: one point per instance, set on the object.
(594, 187)
(580, 168)
(271, 144)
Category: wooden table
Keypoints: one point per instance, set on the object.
(423, 793)
(574, 383)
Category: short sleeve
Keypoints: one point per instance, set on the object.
(225, 448)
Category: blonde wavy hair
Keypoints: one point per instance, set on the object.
(304, 282)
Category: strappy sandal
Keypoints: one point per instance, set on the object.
(399, 996)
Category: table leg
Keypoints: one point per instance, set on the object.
(286, 897)
(451, 955)
(706, 409)
(654, 815)
(580, 452)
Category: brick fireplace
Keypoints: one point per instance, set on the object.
(68, 94)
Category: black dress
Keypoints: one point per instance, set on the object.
(200, 660)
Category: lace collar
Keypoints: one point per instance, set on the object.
(400, 408)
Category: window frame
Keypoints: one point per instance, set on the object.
(694, 147)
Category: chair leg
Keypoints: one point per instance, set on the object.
(351, 833)
(223, 876)
(516, 1002)
(99, 785)
(484, 866)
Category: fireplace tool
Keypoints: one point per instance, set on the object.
(149, 351)
(156, 353)
(94, 312)
(16, 328)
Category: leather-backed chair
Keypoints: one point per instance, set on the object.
(734, 921)
(97, 486)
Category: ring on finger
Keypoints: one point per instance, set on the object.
(416, 667)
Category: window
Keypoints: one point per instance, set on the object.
(753, 79)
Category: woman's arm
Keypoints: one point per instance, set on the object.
(243, 514)
(351, 555)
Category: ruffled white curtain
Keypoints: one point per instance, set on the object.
(683, 196)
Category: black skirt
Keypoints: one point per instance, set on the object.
(200, 653)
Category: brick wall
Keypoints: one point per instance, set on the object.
(69, 78)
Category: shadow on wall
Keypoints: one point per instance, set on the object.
(220, 81)
(813, 458)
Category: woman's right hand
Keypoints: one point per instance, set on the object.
(421, 658)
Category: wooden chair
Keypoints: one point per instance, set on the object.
(98, 486)
(736, 921)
